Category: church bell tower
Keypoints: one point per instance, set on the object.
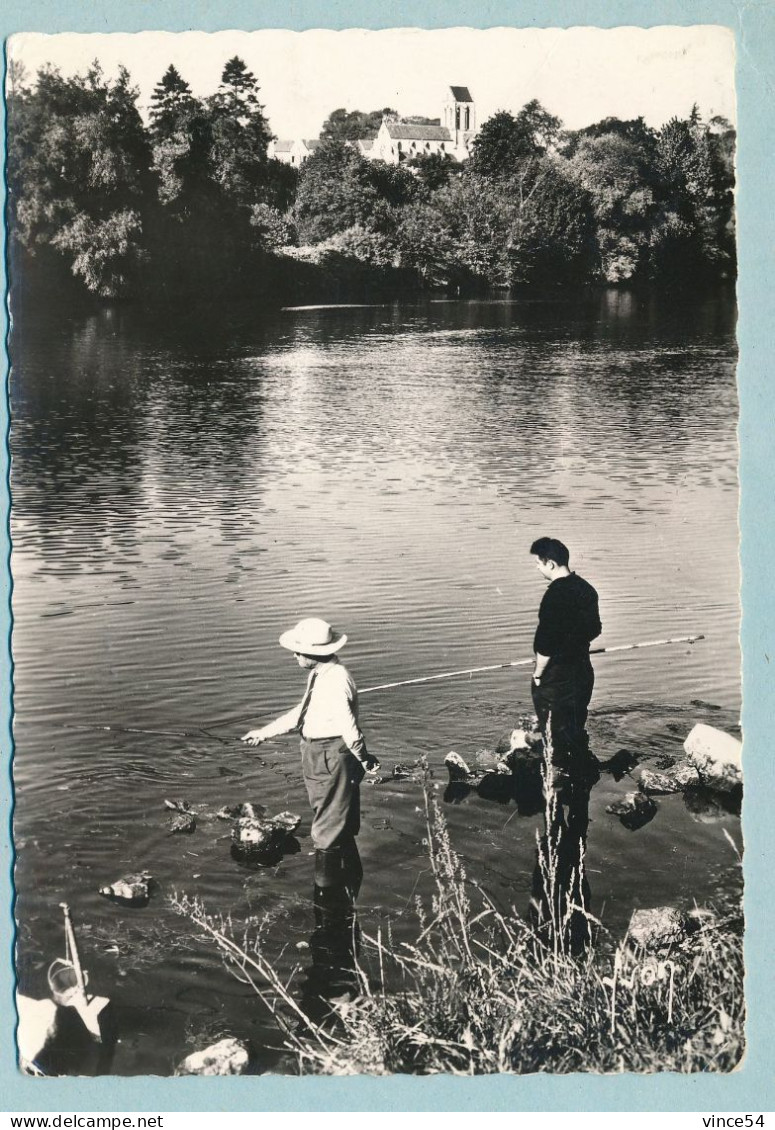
(459, 115)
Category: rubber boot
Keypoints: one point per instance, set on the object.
(352, 867)
(333, 906)
(329, 871)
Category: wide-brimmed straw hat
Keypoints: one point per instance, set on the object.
(313, 637)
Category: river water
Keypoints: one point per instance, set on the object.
(186, 488)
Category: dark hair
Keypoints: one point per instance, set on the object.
(550, 549)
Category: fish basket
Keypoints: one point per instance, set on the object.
(63, 982)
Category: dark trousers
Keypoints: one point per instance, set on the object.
(332, 775)
(561, 700)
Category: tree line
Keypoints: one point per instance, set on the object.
(190, 203)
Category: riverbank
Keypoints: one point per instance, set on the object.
(479, 991)
(259, 284)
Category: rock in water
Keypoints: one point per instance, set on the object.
(487, 760)
(526, 735)
(227, 1057)
(458, 770)
(717, 757)
(253, 833)
(286, 822)
(622, 762)
(634, 810)
(133, 890)
(658, 928)
(254, 837)
(630, 802)
(184, 822)
(671, 781)
(235, 811)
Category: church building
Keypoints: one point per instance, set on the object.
(398, 141)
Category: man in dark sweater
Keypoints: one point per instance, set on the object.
(568, 620)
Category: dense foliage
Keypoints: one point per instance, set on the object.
(179, 204)
(189, 202)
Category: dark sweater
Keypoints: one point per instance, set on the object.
(568, 619)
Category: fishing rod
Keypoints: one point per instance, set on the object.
(384, 687)
(490, 667)
(524, 663)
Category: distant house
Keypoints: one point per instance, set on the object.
(365, 147)
(293, 152)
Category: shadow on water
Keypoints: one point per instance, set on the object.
(562, 899)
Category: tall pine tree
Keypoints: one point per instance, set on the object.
(240, 134)
(172, 105)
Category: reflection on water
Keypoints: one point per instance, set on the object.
(185, 491)
(334, 945)
(562, 899)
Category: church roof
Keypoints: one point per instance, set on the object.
(312, 143)
(461, 94)
(282, 146)
(407, 131)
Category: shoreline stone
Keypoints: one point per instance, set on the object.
(717, 756)
(673, 780)
(227, 1057)
(657, 928)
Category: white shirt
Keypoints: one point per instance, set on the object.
(332, 710)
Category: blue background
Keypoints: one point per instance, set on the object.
(751, 1087)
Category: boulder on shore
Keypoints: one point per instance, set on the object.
(674, 780)
(458, 769)
(717, 756)
(658, 928)
(227, 1057)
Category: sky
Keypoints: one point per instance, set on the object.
(579, 74)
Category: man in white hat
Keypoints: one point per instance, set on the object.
(334, 757)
